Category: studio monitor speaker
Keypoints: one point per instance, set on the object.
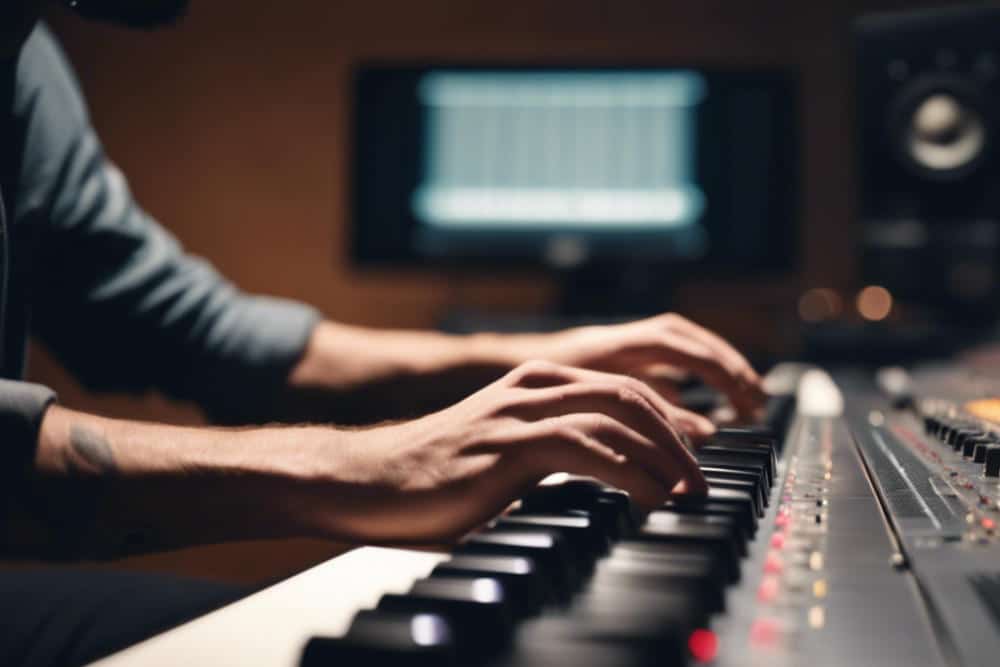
(928, 102)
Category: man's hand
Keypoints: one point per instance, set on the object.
(357, 375)
(440, 476)
(104, 488)
(643, 349)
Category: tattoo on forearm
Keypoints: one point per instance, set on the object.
(91, 450)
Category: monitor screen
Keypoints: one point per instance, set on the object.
(564, 166)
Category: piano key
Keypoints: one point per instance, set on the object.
(731, 497)
(547, 550)
(746, 521)
(689, 575)
(958, 436)
(612, 505)
(992, 458)
(967, 444)
(979, 452)
(580, 531)
(667, 517)
(527, 588)
(759, 499)
(746, 456)
(628, 630)
(479, 610)
(386, 638)
(749, 437)
(777, 414)
(658, 553)
(723, 472)
(714, 539)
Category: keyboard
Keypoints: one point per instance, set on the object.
(839, 531)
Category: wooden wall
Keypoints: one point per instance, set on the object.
(233, 130)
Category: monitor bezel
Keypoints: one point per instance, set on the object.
(787, 227)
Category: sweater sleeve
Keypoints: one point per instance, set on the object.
(114, 295)
(22, 407)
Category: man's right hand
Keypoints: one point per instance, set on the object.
(438, 477)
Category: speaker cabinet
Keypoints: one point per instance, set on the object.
(928, 95)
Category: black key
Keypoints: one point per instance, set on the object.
(635, 572)
(657, 553)
(744, 455)
(734, 531)
(384, 638)
(968, 445)
(478, 609)
(746, 522)
(979, 453)
(951, 434)
(777, 413)
(620, 642)
(547, 550)
(965, 441)
(612, 507)
(944, 433)
(635, 629)
(716, 539)
(734, 460)
(673, 607)
(731, 497)
(739, 485)
(957, 434)
(740, 474)
(993, 461)
(701, 399)
(746, 434)
(521, 580)
(749, 437)
(583, 535)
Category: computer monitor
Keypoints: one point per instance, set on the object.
(682, 168)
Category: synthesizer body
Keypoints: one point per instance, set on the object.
(873, 543)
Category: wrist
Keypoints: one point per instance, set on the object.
(505, 351)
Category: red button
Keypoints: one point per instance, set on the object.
(768, 590)
(774, 564)
(765, 632)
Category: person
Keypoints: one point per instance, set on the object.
(477, 420)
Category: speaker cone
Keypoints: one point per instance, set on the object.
(940, 130)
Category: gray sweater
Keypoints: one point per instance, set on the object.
(107, 289)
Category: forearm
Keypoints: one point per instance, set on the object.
(357, 375)
(103, 488)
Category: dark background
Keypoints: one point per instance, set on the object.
(234, 130)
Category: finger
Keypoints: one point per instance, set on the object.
(667, 411)
(730, 356)
(623, 399)
(665, 388)
(558, 449)
(655, 460)
(682, 350)
(545, 374)
(695, 425)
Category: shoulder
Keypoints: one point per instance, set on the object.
(51, 117)
(43, 69)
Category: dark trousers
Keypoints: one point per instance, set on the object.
(70, 617)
